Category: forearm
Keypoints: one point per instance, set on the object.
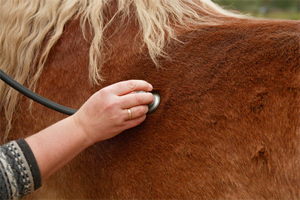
(103, 116)
(56, 145)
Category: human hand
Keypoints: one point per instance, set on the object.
(105, 114)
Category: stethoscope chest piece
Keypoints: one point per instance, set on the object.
(154, 105)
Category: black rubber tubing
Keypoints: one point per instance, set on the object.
(55, 106)
(30, 94)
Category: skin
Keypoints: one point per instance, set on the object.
(103, 116)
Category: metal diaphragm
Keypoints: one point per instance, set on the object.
(154, 105)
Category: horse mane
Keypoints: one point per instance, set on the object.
(29, 29)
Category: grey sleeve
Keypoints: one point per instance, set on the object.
(19, 172)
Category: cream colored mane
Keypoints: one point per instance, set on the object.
(24, 25)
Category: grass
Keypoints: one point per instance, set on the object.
(291, 15)
(254, 8)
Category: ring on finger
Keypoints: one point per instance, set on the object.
(129, 113)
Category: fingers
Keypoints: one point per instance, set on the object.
(135, 112)
(126, 87)
(135, 99)
(134, 122)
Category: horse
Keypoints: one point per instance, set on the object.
(228, 123)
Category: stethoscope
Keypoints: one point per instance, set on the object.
(54, 106)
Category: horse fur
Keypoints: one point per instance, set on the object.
(227, 126)
(26, 25)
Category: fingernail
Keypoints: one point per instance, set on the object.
(150, 86)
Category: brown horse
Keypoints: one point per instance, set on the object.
(228, 123)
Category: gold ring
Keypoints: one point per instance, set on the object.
(129, 113)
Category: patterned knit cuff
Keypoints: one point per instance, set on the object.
(19, 172)
(34, 168)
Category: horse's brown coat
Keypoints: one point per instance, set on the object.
(227, 126)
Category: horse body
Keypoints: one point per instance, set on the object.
(227, 126)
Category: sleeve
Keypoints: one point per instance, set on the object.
(19, 172)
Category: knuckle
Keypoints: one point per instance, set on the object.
(131, 84)
(145, 109)
(139, 98)
(114, 103)
(142, 110)
(110, 105)
(104, 91)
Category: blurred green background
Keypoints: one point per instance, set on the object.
(271, 9)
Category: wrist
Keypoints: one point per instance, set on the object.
(57, 145)
(80, 132)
